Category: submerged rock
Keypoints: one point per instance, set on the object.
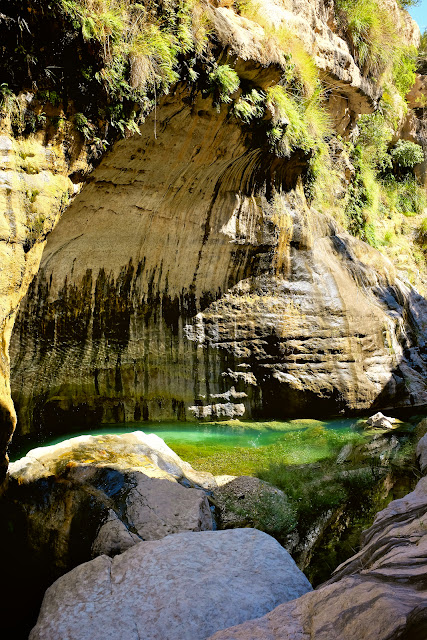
(186, 587)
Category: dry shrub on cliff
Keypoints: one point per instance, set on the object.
(373, 34)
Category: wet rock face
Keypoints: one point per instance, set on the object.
(189, 279)
(34, 186)
(205, 172)
(184, 586)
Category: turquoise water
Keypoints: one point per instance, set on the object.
(238, 434)
(235, 433)
(237, 447)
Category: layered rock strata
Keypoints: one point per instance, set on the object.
(244, 177)
(189, 279)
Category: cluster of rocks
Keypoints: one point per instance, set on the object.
(199, 583)
(117, 499)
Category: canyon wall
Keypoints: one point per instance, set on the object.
(189, 278)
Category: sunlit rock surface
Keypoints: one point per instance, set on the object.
(193, 216)
(102, 494)
(190, 279)
(185, 586)
(34, 189)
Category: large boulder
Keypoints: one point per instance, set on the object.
(185, 586)
(353, 608)
(132, 451)
(380, 421)
(102, 494)
(91, 495)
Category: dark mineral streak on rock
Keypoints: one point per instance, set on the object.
(202, 285)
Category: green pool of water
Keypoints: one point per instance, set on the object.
(237, 447)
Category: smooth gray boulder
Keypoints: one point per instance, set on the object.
(186, 586)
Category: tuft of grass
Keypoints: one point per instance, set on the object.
(224, 82)
(372, 33)
(406, 154)
(250, 106)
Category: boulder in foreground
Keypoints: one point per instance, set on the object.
(95, 495)
(186, 586)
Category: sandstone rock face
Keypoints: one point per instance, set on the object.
(352, 608)
(102, 494)
(34, 189)
(210, 207)
(185, 586)
(380, 593)
(189, 280)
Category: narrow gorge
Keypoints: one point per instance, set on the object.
(212, 212)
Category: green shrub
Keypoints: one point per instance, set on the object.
(250, 106)
(422, 232)
(224, 81)
(311, 491)
(411, 197)
(269, 512)
(372, 33)
(407, 154)
(404, 68)
(83, 125)
(300, 123)
(374, 136)
(140, 45)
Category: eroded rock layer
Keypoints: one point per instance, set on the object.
(190, 279)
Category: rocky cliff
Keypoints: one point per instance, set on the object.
(191, 278)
